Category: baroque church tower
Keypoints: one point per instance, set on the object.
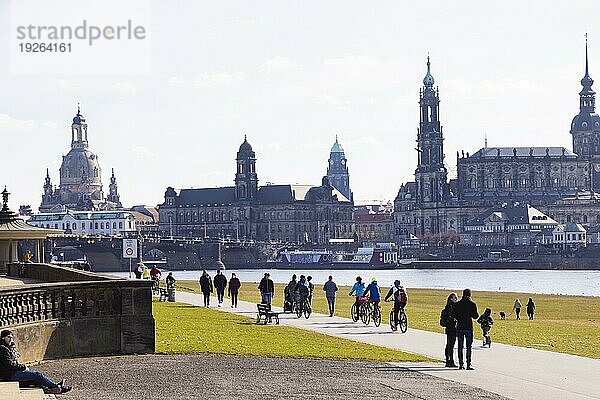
(337, 170)
(585, 127)
(80, 177)
(246, 179)
(431, 174)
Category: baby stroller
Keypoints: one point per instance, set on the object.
(287, 300)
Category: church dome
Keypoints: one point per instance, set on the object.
(80, 164)
(245, 147)
(585, 122)
(428, 80)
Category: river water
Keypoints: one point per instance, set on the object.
(584, 283)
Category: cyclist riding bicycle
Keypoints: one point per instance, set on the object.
(373, 290)
(358, 289)
(400, 298)
(303, 290)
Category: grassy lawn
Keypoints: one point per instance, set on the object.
(185, 329)
(565, 324)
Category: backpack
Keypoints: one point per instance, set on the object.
(401, 295)
(443, 318)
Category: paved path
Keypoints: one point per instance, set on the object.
(510, 371)
(6, 281)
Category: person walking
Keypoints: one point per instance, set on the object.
(145, 272)
(234, 289)
(137, 271)
(206, 287)
(486, 321)
(530, 308)
(330, 289)
(517, 308)
(311, 288)
(267, 289)
(220, 283)
(465, 311)
(12, 370)
(448, 321)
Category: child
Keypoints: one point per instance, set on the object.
(486, 322)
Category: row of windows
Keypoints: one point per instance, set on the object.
(523, 182)
(221, 215)
(570, 236)
(92, 225)
(373, 227)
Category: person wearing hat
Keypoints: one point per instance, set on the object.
(374, 292)
(12, 370)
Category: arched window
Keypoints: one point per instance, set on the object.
(585, 219)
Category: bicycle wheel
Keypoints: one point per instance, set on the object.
(298, 309)
(403, 321)
(365, 314)
(392, 321)
(354, 313)
(377, 316)
(307, 310)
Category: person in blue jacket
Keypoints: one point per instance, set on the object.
(374, 292)
(358, 290)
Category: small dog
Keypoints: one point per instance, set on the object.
(502, 315)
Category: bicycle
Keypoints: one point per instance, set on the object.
(356, 314)
(302, 307)
(402, 320)
(371, 312)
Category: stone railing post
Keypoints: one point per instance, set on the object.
(137, 322)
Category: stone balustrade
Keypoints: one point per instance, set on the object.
(77, 313)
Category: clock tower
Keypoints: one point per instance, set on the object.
(337, 170)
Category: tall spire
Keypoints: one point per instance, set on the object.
(587, 80)
(428, 81)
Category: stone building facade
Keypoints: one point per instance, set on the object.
(559, 182)
(80, 185)
(288, 213)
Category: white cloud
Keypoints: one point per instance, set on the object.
(354, 61)
(124, 87)
(493, 88)
(218, 79)
(279, 64)
(12, 125)
(141, 152)
(330, 100)
(175, 80)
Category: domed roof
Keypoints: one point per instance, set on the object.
(80, 163)
(245, 147)
(428, 80)
(585, 122)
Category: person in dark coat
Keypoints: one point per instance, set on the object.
(267, 289)
(12, 370)
(486, 321)
(448, 321)
(206, 287)
(465, 311)
(234, 289)
(530, 308)
(330, 289)
(220, 283)
(311, 288)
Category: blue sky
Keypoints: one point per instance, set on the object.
(292, 75)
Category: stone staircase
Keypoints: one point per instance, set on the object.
(11, 391)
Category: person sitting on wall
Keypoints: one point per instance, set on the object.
(12, 370)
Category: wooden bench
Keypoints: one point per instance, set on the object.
(264, 310)
(163, 295)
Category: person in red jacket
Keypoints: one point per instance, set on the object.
(233, 290)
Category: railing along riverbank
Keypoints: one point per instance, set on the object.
(75, 313)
